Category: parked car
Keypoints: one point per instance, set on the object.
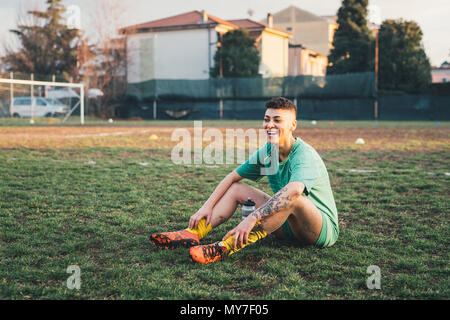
(22, 107)
(3, 110)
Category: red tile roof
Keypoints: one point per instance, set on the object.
(251, 25)
(247, 24)
(189, 18)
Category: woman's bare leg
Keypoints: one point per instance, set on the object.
(238, 193)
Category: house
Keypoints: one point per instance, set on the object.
(304, 61)
(177, 47)
(183, 46)
(311, 41)
(311, 31)
(441, 74)
(272, 43)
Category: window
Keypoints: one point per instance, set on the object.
(19, 101)
(40, 102)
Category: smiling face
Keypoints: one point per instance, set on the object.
(279, 125)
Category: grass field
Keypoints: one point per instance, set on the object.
(91, 196)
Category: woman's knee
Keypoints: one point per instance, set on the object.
(242, 191)
(235, 188)
(238, 191)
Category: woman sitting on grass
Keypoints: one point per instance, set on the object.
(302, 207)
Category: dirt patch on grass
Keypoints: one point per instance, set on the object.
(377, 139)
(160, 138)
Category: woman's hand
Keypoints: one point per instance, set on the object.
(241, 231)
(203, 212)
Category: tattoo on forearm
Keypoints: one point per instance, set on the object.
(276, 203)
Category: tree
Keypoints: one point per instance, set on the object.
(102, 62)
(237, 56)
(353, 41)
(47, 44)
(404, 65)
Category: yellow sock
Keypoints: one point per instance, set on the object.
(256, 234)
(202, 230)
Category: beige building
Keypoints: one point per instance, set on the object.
(332, 27)
(311, 31)
(303, 61)
(273, 45)
(311, 42)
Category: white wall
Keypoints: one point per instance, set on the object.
(181, 54)
(133, 58)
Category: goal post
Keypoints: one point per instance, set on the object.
(29, 96)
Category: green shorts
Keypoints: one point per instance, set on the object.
(328, 233)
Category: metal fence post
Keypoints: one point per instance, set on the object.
(375, 111)
(11, 93)
(82, 104)
(32, 97)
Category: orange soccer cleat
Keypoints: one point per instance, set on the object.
(172, 240)
(208, 253)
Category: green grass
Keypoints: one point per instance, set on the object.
(95, 208)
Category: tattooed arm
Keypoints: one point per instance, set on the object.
(279, 201)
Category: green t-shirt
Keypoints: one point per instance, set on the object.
(303, 164)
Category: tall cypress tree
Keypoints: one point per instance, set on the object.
(47, 45)
(404, 65)
(352, 44)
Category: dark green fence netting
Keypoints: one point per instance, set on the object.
(357, 85)
(414, 107)
(334, 97)
(390, 107)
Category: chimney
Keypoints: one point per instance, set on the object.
(270, 20)
(204, 16)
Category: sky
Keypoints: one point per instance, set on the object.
(433, 16)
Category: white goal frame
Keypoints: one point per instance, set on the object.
(33, 83)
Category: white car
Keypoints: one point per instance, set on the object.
(22, 107)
